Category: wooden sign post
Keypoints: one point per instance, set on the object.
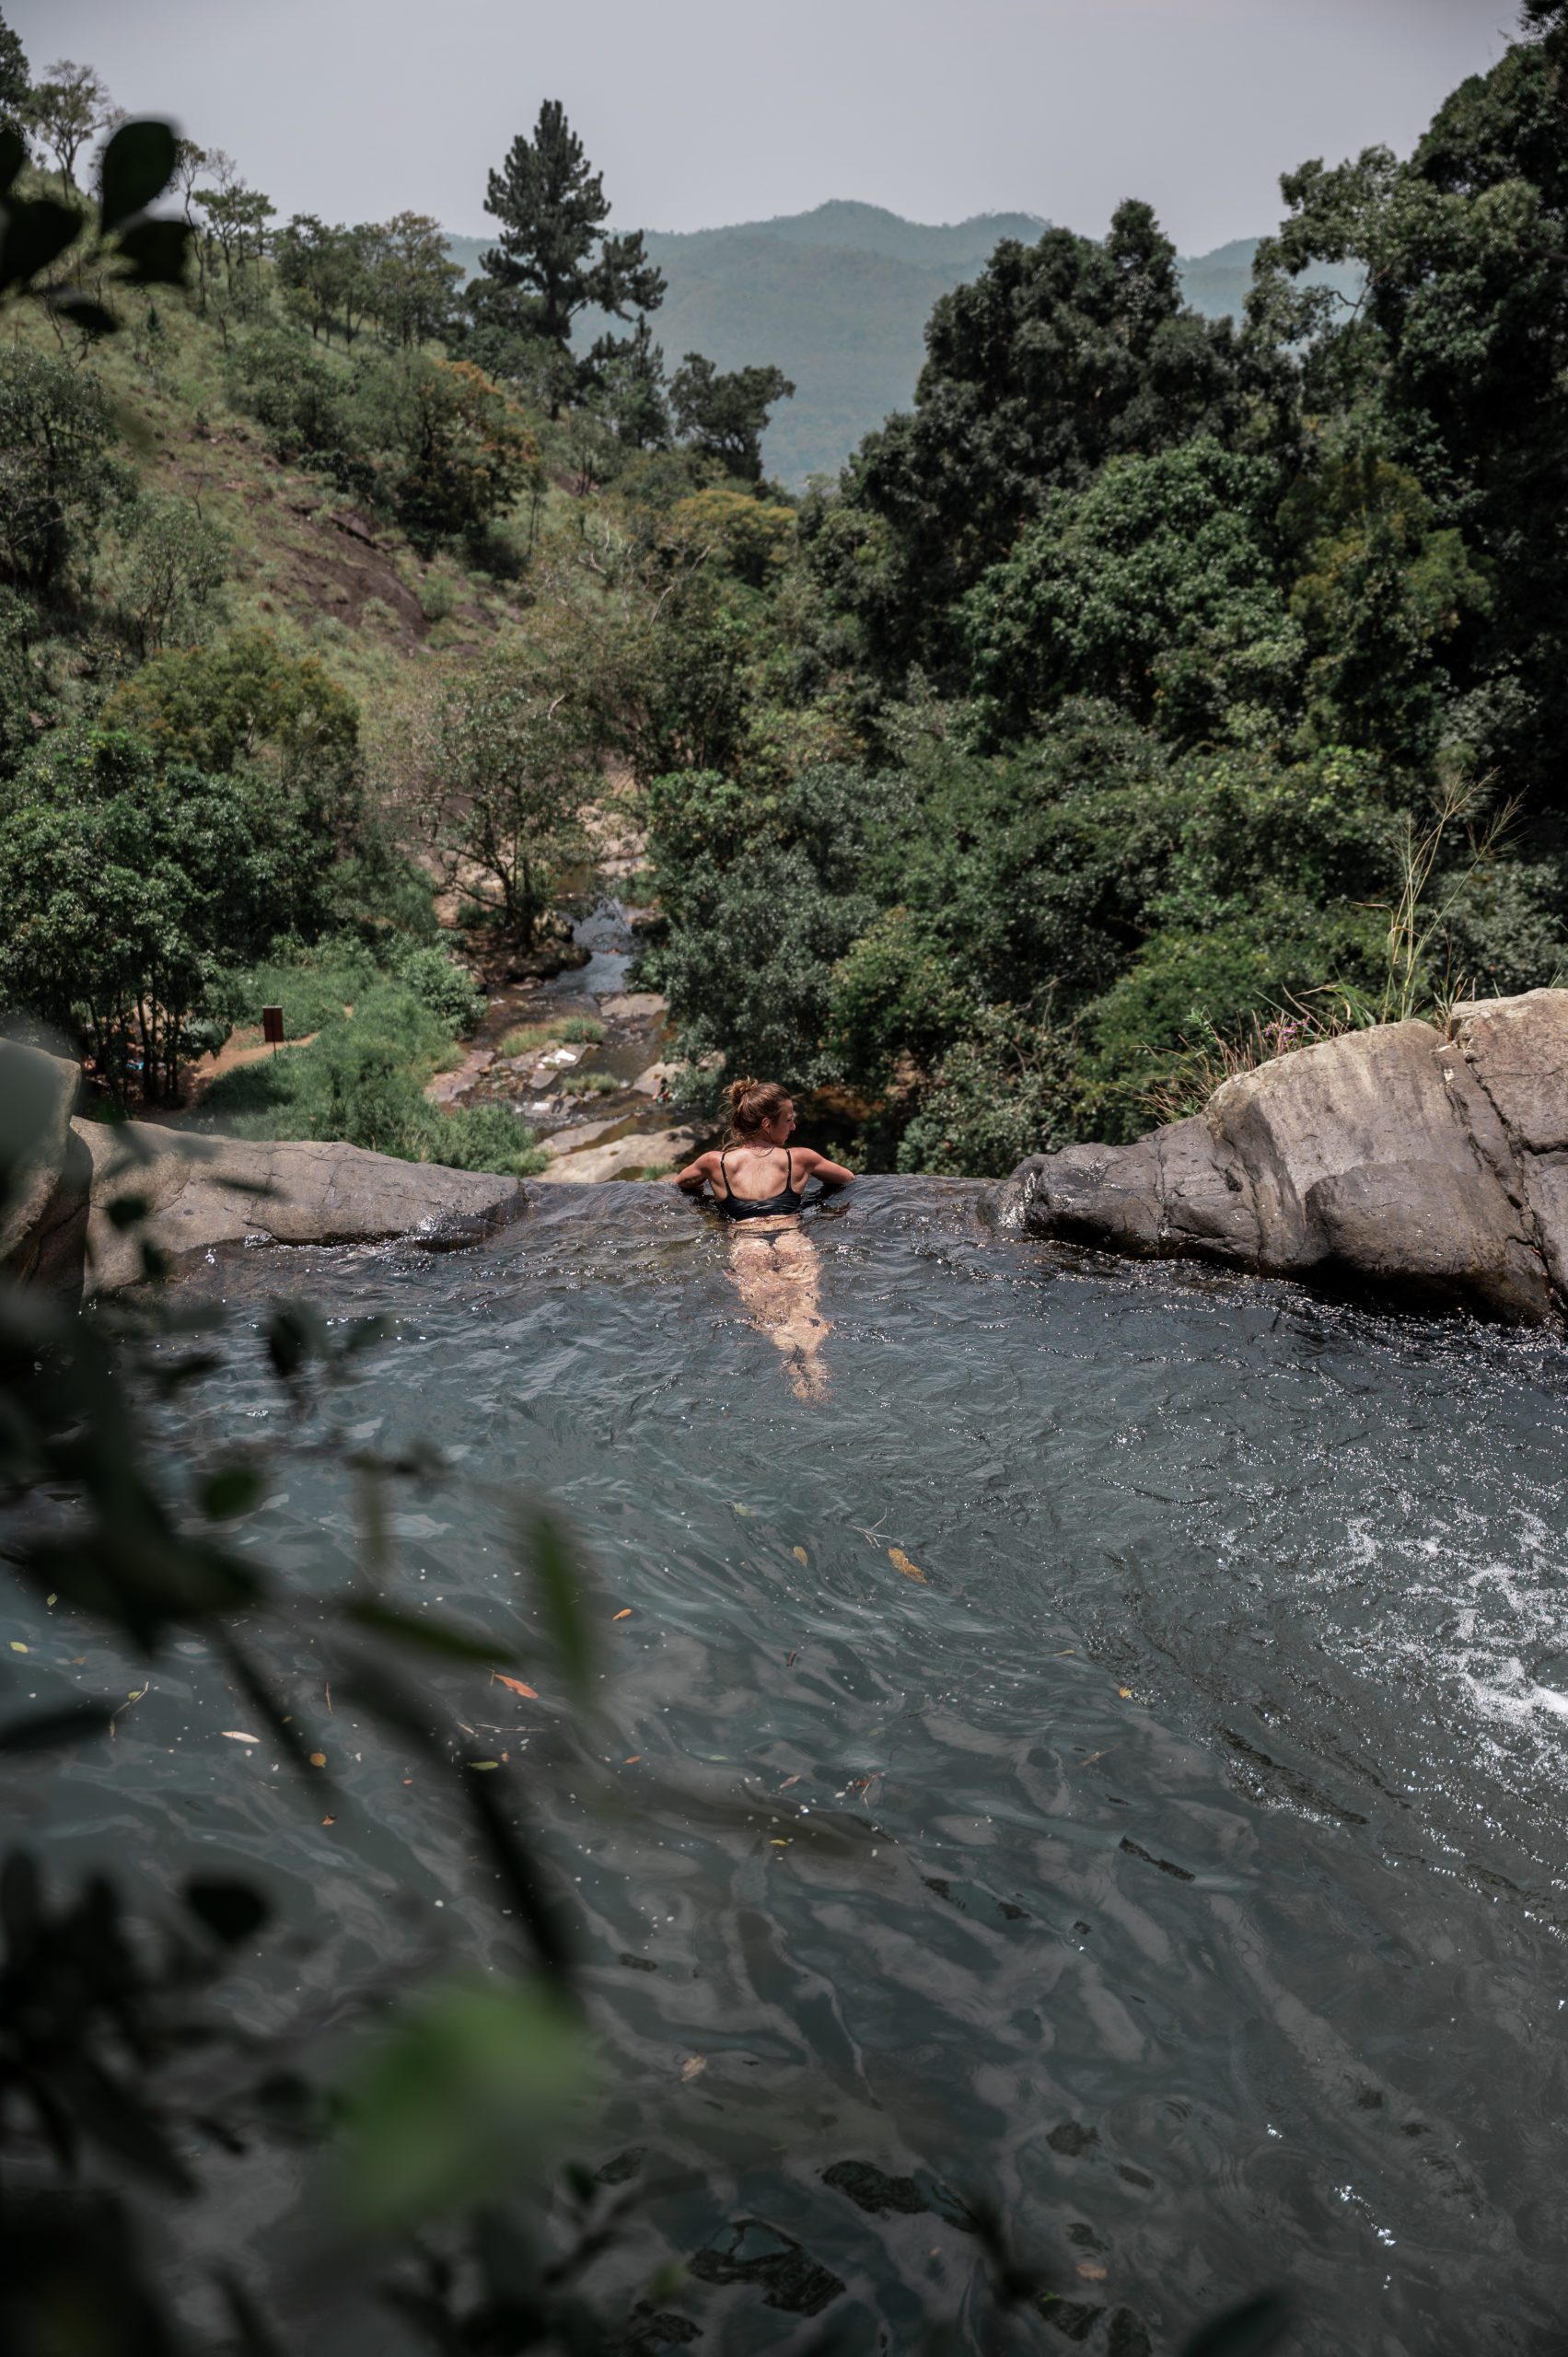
(272, 1027)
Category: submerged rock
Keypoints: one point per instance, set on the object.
(199, 1193)
(1393, 1159)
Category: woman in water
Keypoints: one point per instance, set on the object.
(757, 1180)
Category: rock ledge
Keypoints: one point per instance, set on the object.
(1398, 1160)
(201, 1193)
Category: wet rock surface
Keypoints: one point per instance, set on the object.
(1395, 1159)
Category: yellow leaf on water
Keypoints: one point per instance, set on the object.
(317, 1759)
(18, 1646)
(624, 1613)
(901, 1563)
(799, 1554)
(693, 2066)
(1125, 1693)
(233, 1735)
(52, 1599)
(515, 1684)
(485, 1763)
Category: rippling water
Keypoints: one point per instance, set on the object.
(1181, 1866)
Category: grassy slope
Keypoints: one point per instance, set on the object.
(328, 580)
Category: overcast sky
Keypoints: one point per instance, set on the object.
(705, 111)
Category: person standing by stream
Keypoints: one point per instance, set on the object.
(757, 1181)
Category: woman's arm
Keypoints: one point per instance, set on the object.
(692, 1179)
(816, 1166)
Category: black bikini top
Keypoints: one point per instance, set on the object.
(734, 1206)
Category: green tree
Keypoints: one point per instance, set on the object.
(451, 453)
(1057, 357)
(1156, 588)
(504, 779)
(243, 702)
(174, 566)
(16, 80)
(65, 110)
(554, 257)
(59, 477)
(324, 275)
(765, 891)
(1457, 354)
(413, 280)
(623, 380)
(124, 885)
(1383, 591)
(724, 417)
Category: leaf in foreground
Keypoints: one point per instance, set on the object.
(474, 2089)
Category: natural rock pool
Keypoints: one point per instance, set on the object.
(1195, 1881)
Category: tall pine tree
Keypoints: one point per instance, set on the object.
(554, 256)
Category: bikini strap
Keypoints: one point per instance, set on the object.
(789, 1172)
(724, 1170)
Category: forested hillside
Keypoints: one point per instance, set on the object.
(1153, 689)
(839, 297)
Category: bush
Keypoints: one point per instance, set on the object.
(438, 982)
(362, 1081)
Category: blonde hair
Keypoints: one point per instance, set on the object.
(752, 1105)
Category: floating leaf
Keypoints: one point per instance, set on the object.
(693, 2066)
(233, 1735)
(317, 1759)
(18, 1646)
(515, 1685)
(482, 1766)
(749, 1511)
(799, 1554)
(901, 1563)
(1125, 1693)
(624, 1613)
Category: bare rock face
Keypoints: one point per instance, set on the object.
(1429, 1168)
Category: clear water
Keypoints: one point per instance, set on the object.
(1181, 1867)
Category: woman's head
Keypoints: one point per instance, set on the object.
(760, 1113)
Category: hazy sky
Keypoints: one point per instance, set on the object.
(704, 112)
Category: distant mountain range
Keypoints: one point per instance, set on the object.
(839, 298)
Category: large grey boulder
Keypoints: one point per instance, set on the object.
(205, 1193)
(191, 1195)
(1393, 1159)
